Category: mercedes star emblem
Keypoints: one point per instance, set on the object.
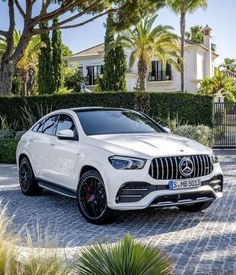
(186, 167)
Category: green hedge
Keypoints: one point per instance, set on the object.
(194, 109)
(8, 151)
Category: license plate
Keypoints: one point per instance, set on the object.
(184, 184)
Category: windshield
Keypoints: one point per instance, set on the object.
(102, 122)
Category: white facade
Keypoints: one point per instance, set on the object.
(199, 63)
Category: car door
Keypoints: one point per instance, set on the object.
(41, 146)
(65, 155)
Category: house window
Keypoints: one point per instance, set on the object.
(159, 72)
(92, 74)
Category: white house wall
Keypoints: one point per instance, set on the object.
(195, 70)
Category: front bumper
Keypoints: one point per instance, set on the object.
(126, 193)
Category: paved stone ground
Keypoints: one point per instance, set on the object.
(198, 243)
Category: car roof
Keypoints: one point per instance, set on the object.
(81, 109)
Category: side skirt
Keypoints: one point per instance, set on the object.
(56, 188)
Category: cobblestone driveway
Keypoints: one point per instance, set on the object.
(198, 243)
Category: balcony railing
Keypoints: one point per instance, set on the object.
(160, 76)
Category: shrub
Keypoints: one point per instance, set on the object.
(172, 123)
(30, 116)
(194, 109)
(8, 151)
(6, 133)
(5, 125)
(43, 257)
(19, 134)
(125, 258)
(39, 261)
(8, 263)
(200, 133)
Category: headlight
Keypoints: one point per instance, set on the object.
(124, 163)
(215, 158)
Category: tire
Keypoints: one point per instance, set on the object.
(92, 199)
(195, 207)
(28, 183)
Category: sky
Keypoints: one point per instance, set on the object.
(220, 16)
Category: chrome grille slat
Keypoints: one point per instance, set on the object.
(205, 166)
(157, 168)
(201, 162)
(176, 167)
(208, 164)
(166, 168)
(197, 160)
(162, 169)
(194, 166)
(172, 170)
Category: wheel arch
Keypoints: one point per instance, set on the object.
(21, 156)
(91, 166)
(24, 155)
(86, 168)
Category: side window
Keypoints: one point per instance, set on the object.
(65, 122)
(38, 127)
(49, 126)
(35, 128)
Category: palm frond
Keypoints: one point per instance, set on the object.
(127, 257)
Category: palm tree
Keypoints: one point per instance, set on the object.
(182, 7)
(26, 67)
(147, 42)
(196, 34)
(229, 64)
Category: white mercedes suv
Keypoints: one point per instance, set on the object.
(116, 159)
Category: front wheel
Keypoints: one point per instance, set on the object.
(92, 199)
(195, 207)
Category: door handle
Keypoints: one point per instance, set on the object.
(52, 144)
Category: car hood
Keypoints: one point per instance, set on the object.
(148, 145)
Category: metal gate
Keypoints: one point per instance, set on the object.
(225, 125)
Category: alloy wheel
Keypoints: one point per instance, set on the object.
(92, 197)
(24, 176)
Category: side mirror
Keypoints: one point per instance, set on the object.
(66, 134)
(167, 130)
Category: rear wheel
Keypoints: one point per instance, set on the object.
(28, 183)
(92, 199)
(195, 207)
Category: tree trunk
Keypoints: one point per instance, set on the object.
(182, 69)
(6, 76)
(9, 61)
(142, 73)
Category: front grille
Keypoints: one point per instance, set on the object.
(166, 168)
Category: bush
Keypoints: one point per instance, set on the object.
(194, 109)
(19, 134)
(125, 258)
(37, 261)
(200, 133)
(6, 133)
(8, 151)
(8, 253)
(172, 123)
